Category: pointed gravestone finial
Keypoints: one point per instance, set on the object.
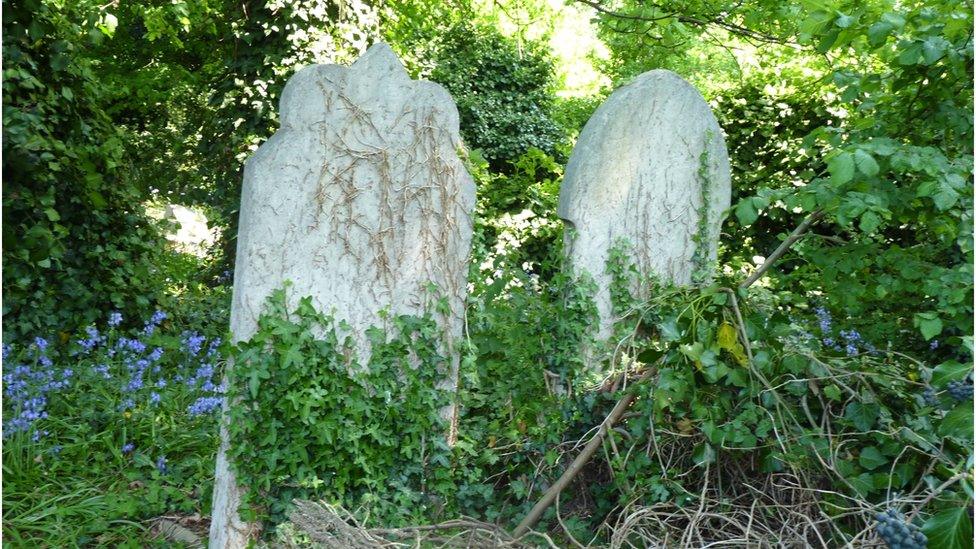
(361, 201)
(649, 170)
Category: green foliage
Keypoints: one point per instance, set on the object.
(99, 434)
(525, 338)
(503, 92)
(311, 419)
(75, 239)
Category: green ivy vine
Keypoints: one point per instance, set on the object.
(310, 419)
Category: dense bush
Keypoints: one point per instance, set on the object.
(504, 94)
(75, 239)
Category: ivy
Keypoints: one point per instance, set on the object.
(311, 419)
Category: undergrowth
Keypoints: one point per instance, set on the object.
(764, 420)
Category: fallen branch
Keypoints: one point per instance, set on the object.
(577, 465)
(618, 410)
(794, 236)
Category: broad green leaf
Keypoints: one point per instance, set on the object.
(929, 324)
(958, 422)
(844, 21)
(878, 33)
(870, 221)
(950, 371)
(950, 529)
(865, 163)
(745, 212)
(841, 168)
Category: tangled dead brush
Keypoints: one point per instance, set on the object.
(331, 526)
(781, 513)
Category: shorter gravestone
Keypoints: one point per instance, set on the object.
(361, 201)
(650, 170)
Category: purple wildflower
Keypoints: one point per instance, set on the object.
(161, 464)
(204, 405)
(41, 343)
(114, 319)
(193, 342)
(128, 447)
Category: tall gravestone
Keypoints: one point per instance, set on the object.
(649, 170)
(361, 201)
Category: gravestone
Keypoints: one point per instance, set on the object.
(361, 201)
(649, 163)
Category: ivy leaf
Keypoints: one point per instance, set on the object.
(871, 458)
(253, 382)
(950, 529)
(862, 415)
(841, 168)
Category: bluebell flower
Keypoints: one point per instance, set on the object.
(193, 342)
(135, 382)
(127, 404)
(56, 449)
(114, 319)
(45, 361)
(36, 437)
(41, 343)
(93, 339)
(154, 397)
(160, 383)
(204, 405)
(7, 349)
(161, 464)
(155, 355)
(823, 316)
(153, 322)
(212, 348)
(934, 345)
(128, 447)
(102, 369)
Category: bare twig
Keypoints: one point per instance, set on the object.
(794, 236)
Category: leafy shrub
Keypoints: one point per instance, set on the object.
(107, 427)
(75, 239)
(504, 94)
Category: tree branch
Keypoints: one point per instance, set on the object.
(794, 236)
(718, 22)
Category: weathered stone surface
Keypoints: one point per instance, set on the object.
(638, 174)
(361, 201)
